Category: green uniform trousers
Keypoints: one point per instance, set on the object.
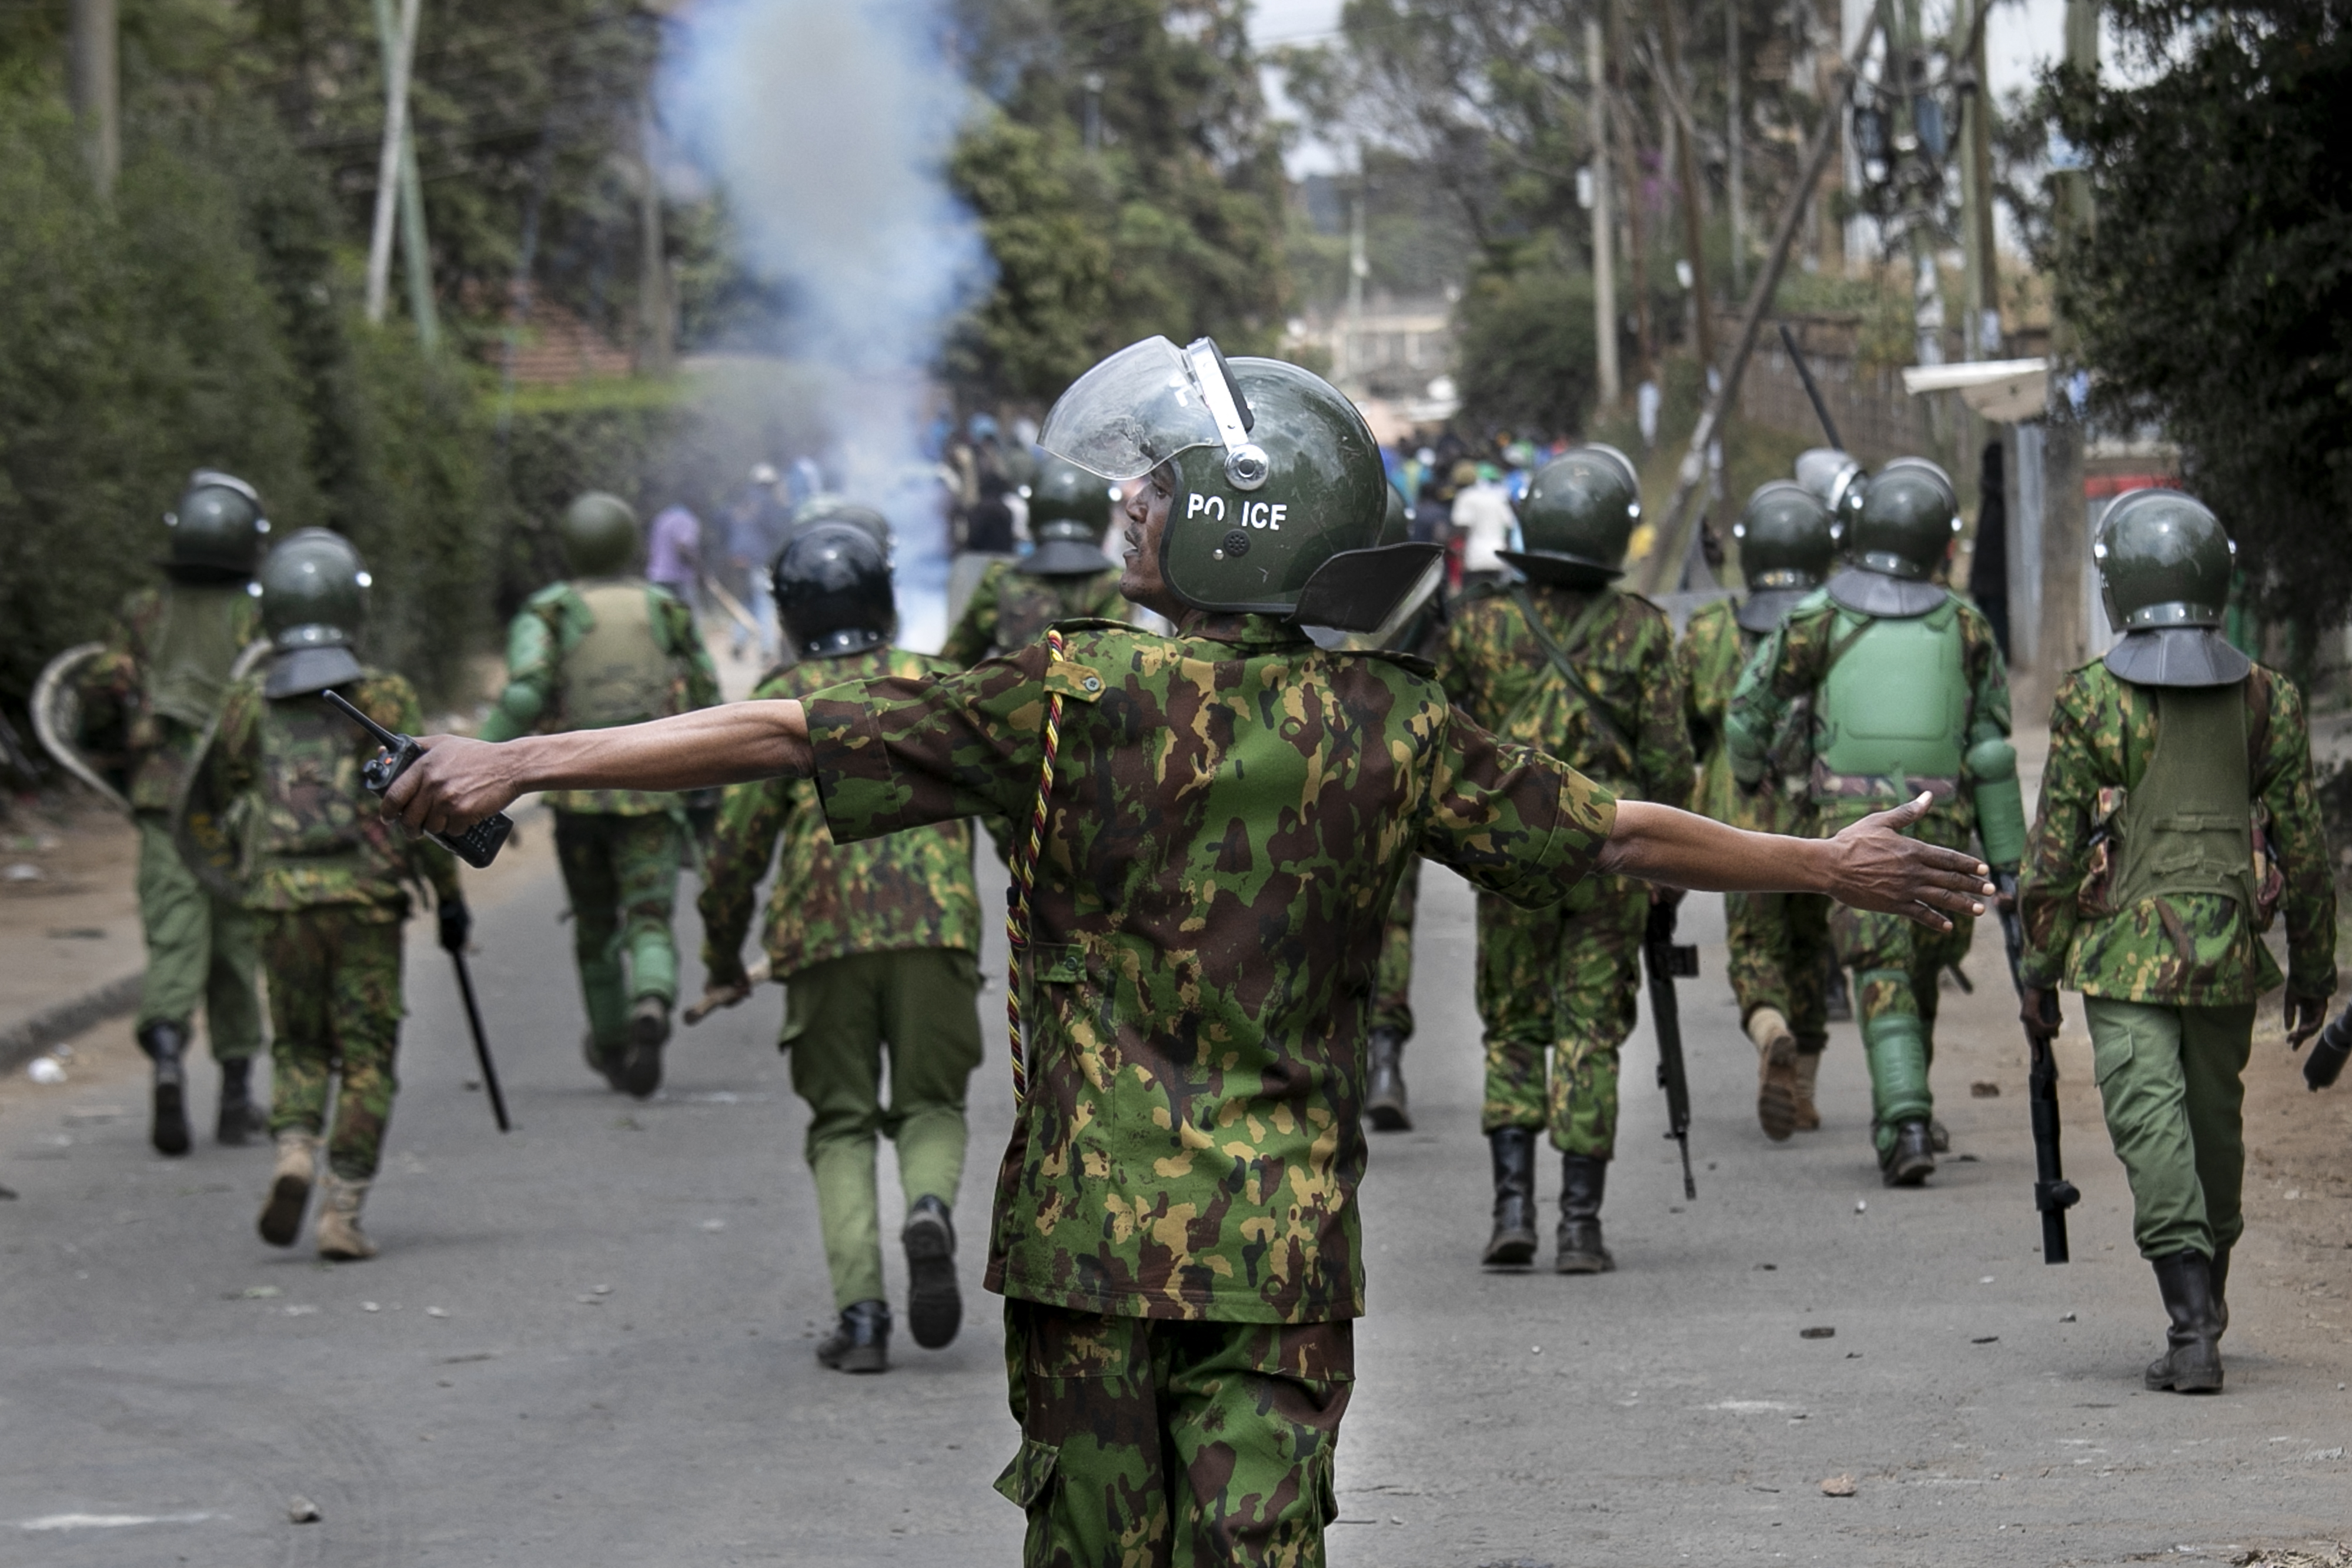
(1393, 980)
(1565, 982)
(1779, 954)
(1153, 1444)
(2172, 1081)
(1895, 966)
(621, 873)
(200, 949)
(335, 1006)
(922, 1005)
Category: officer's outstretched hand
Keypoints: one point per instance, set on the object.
(457, 925)
(1876, 868)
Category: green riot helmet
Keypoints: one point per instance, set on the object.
(1277, 482)
(1578, 514)
(217, 529)
(314, 599)
(1785, 551)
(2165, 565)
(1838, 481)
(1069, 510)
(599, 532)
(1396, 523)
(1903, 532)
(832, 582)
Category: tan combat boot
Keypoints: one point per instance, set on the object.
(289, 1187)
(1809, 1073)
(1776, 1073)
(339, 1236)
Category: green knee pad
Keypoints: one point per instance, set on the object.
(1897, 1048)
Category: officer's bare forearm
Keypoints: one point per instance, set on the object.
(1870, 865)
(458, 782)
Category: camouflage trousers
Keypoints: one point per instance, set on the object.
(920, 1005)
(1563, 983)
(1895, 966)
(621, 873)
(335, 1006)
(1393, 980)
(200, 949)
(1779, 954)
(1153, 1444)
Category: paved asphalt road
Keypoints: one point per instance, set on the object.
(588, 1343)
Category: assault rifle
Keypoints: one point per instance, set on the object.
(2053, 1195)
(1665, 960)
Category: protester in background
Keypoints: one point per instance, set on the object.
(674, 553)
(1482, 517)
(755, 532)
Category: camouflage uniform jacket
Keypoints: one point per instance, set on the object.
(1232, 810)
(1012, 609)
(2181, 949)
(1776, 693)
(135, 717)
(552, 624)
(289, 772)
(1497, 671)
(1715, 648)
(911, 889)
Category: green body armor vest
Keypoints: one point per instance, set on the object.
(188, 669)
(618, 673)
(2187, 826)
(1895, 704)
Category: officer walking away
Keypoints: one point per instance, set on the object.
(1566, 663)
(328, 879)
(1224, 816)
(602, 649)
(148, 699)
(1908, 693)
(876, 946)
(2177, 820)
(1778, 942)
(1066, 576)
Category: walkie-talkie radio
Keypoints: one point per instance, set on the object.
(479, 845)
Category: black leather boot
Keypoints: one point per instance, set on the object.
(861, 1342)
(1582, 1181)
(240, 1119)
(934, 1304)
(2191, 1362)
(166, 1045)
(641, 1069)
(1514, 1242)
(1911, 1160)
(2220, 1269)
(1384, 1102)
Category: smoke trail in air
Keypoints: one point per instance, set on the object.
(827, 124)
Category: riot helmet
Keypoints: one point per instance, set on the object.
(1069, 509)
(831, 507)
(1578, 512)
(599, 533)
(1838, 481)
(1785, 551)
(216, 530)
(833, 590)
(313, 590)
(1902, 533)
(2165, 565)
(1276, 507)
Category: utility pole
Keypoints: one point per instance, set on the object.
(1687, 176)
(1736, 144)
(97, 88)
(656, 313)
(2066, 543)
(1637, 250)
(400, 49)
(1604, 260)
(414, 255)
(1982, 335)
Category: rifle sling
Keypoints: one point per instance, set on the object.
(1602, 603)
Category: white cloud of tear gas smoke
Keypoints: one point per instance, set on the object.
(827, 125)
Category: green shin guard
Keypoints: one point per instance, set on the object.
(653, 967)
(608, 1009)
(1896, 1047)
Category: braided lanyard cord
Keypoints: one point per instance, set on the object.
(1024, 879)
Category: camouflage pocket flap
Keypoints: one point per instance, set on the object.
(1058, 966)
(1030, 1475)
(1067, 677)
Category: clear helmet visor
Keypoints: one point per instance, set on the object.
(1145, 404)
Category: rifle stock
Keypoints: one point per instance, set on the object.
(2053, 1195)
(1665, 960)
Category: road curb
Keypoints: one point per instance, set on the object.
(27, 1038)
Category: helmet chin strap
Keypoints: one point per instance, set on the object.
(1246, 467)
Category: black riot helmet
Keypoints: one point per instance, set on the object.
(2165, 565)
(829, 507)
(1785, 551)
(832, 582)
(1277, 505)
(1577, 517)
(216, 530)
(313, 588)
(1069, 509)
